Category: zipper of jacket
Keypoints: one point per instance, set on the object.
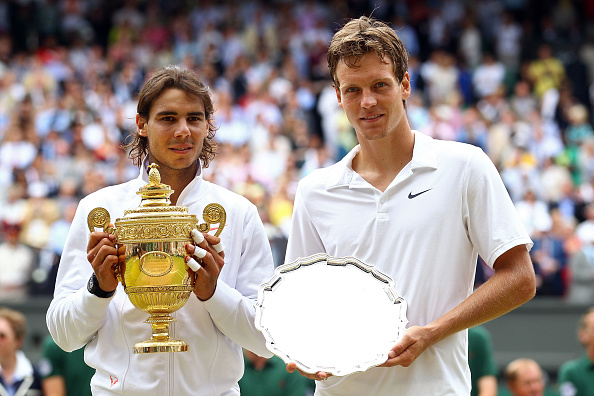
(171, 384)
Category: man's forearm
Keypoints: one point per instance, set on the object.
(512, 284)
(75, 318)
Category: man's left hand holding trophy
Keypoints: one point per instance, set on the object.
(104, 256)
(206, 262)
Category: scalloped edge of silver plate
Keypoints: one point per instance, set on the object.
(279, 345)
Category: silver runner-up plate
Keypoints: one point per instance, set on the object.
(337, 315)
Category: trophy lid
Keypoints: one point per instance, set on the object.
(155, 193)
(155, 219)
(155, 196)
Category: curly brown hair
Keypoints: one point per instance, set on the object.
(178, 77)
(360, 36)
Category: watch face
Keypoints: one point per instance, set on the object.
(93, 288)
(91, 284)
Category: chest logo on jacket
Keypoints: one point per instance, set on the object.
(411, 195)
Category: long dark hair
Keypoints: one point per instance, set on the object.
(173, 76)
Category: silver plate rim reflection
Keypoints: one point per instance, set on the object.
(270, 320)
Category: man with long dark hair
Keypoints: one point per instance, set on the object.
(175, 130)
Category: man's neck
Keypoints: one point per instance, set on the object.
(8, 365)
(380, 161)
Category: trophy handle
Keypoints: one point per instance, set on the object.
(100, 218)
(213, 214)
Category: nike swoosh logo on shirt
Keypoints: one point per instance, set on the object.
(411, 195)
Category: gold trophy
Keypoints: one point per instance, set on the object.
(155, 275)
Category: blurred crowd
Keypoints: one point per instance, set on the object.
(514, 77)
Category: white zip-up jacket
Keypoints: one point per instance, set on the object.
(215, 330)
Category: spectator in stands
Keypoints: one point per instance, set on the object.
(481, 360)
(64, 373)
(579, 139)
(440, 76)
(17, 262)
(488, 76)
(40, 212)
(546, 72)
(576, 377)
(522, 102)
(524, 377)
(585, 229)
(534, 212)
(581, 271)
(550, 260)
(440, 125)
(408, 35)
(493, 109)
(18, 376)
(469, 43)
(579, 130)
(508, 45)
(268, 377)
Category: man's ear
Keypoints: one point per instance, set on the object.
(405, 86)
(141, 125)
(338, 97)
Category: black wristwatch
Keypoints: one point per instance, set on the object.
(93, 288)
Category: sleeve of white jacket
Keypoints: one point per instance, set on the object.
(75, 315)
(233, 309)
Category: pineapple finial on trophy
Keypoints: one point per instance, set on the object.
(154, 175)
(155, 193)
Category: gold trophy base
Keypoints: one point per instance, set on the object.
(152, 346)
(160, 341)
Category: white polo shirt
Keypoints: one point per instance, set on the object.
(447, 206)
